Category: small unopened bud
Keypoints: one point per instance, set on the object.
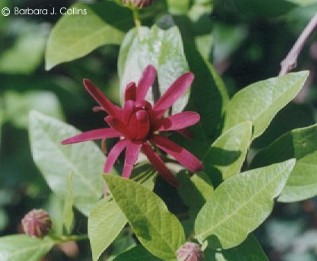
(37, 223)
(189, 252)
(138, 3)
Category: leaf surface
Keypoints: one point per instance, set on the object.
(105, 222)
(261, 101)
(300, 144)
(83, 160)
(23, 247)
(241, 203)
(158, 230)
(75, 36)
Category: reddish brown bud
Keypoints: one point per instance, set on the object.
(138, 3)
(189, 252)
(36, 223)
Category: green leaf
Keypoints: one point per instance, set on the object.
(23, 247)
(241, 203)
(68, 218)
(302, 145)
(161, 48)
(137, 253)
(84, 160)
(227, 154)
(249, 250)
(18, 106)
(105, 222)
(157, 229)
(75, 36)
(261, 101)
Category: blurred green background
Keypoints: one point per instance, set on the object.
(248, 40)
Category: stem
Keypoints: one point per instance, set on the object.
(63, 239)
(136, 17)
(290, 60)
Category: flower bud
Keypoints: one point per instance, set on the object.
(138, 3)
(36, 223)
(189, 252)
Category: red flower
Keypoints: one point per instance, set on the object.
(138, 124)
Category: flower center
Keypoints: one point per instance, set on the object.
(140, 121)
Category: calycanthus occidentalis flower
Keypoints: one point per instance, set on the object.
(139, 125)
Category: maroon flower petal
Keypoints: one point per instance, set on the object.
(127, 110)
(114, 154)
(130, 92)
(107, 105)
(182, 155)
(159, 165)
(146, 81)
(178, 121)
(139, 125)
(118, 125)
(176, 90)
(131, 156)
(103, 133)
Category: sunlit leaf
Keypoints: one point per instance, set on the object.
(105, 222)
(302, 145)
(241, 203)
(77, 35)
(23, 247)
(161, 48)
(157, 229)
(84, 160)
(261, 101)
(227, 154)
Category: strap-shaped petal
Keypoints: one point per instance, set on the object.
(159, 165)
(177, 121)
(175, 91)
(114, 154)
(102, 100)
(146, 81)
(130, 92)
(131, 156)
(183, 156)
(97, 134)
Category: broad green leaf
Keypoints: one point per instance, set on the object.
(302, 145)
(23, 247)
(161, 48)
(249, 250)
(227, 154)
(137, 253)
(76, 35)
(68, 212)
(158, 230)
(241, 203)
(261, 101)
(84, 160)
(18, 106)
(105, 222)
